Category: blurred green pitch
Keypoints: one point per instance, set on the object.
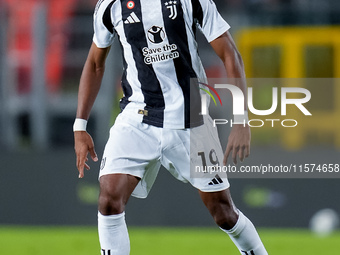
(160, 241)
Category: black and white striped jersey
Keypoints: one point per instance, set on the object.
(160, 55)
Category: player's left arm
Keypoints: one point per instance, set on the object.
(239, 138)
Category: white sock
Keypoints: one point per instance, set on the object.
(245, 237)
(113, 234)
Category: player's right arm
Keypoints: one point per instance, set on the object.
(89, 86)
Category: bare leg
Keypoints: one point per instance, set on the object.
(232, 221)
(115, 191)
(221, 207)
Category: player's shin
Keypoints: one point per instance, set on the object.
(245, 237)
(113, 234)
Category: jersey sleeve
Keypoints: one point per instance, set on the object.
(103, 27)
(209, 20)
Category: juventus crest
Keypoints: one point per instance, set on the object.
(172, 6)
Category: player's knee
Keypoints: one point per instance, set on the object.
(110, 204)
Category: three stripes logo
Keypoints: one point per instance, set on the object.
(132, 18)
(105, 252)
(248, 253)
(215, 181)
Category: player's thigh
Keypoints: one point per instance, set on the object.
(190, 153)
(115, 191)
(206, 159)
(132, 149)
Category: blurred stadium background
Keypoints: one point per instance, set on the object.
(43, 45)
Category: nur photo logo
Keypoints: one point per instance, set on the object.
(295, 96)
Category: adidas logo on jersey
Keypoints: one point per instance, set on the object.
(216, 180)
(132, 19)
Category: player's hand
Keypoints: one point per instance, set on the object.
(238, 143)
(83, 144)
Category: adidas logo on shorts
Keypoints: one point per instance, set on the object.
(216, 180)
(132, 19)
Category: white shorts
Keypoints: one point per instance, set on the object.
(139, 149)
